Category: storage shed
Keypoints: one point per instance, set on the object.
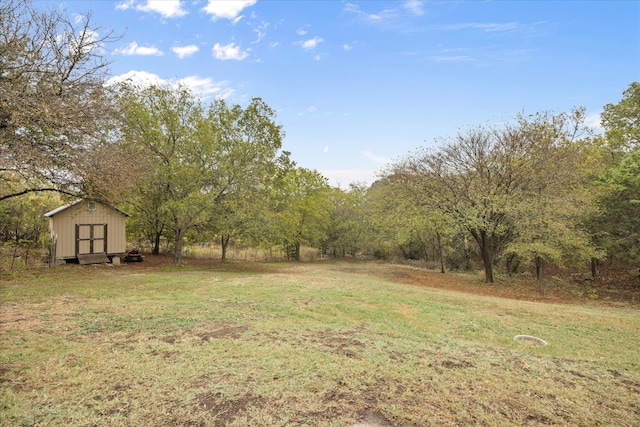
(87, 231)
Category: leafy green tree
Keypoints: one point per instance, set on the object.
(169, 128)
(208, 164)
(622, 120)
(419, 231)
(250, 158)
(617, 223)
(349, 228)
(301, 208)
(483, 179)
(558, 195)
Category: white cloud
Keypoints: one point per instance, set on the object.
(134, 49)
(227, 9)
(137, 78)
(124, 5)
(301, 32)
(326, 149)
(230, 51)
(166, 8)
(185, 51)
(347, 47)
(378, 159)
(203, 87)
(414, 6)
(206, 86)
(593, 121)
(311, 43)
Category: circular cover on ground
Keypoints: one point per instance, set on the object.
(531, 339)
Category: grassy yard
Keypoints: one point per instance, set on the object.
(319, 344)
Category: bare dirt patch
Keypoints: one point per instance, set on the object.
(222, 330)
(226, 410)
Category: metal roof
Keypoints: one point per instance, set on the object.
(68, 205)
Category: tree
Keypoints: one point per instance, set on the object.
(207, 163)
(485, 179)
(301, 206)
(559, 193)
(617, 223)
(55, 111)
(622, 120)
(349, 228)
(170, 132)
(250, 157)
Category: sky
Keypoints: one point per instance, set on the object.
(357, 85)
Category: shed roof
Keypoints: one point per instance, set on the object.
(68, 205)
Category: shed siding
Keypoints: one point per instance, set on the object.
(63, 228)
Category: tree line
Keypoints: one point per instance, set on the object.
(540, 189)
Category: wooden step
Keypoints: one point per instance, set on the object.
(97, 258)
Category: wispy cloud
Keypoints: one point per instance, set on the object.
(228, 9)
(185, 51)
(311, 109)
(490, 27)
(378, 159)
(203, 87)
(261, 31)
(134, 49)
(452, 58)
(414, 6)
(229, 51)
(166, 8)
(383, 15)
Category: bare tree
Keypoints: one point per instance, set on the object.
(55, 111)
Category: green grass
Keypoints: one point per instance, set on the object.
(313, 344)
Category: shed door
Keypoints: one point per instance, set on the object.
(91, 238)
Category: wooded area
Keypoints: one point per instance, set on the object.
(542, 189)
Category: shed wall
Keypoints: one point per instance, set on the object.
(63, 228)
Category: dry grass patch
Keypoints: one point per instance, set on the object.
(318, 344)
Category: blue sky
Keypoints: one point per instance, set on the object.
(357, 84)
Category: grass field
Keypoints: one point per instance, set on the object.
(318, 344)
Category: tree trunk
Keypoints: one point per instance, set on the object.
(440, 253)
(297, 255)
(488, 264)
(539, 275)
(156, 244)
(224, 242)
(486, 251)
(177, 255)
(467, 257)
(594, 270)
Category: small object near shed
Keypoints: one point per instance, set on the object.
(84, 230)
